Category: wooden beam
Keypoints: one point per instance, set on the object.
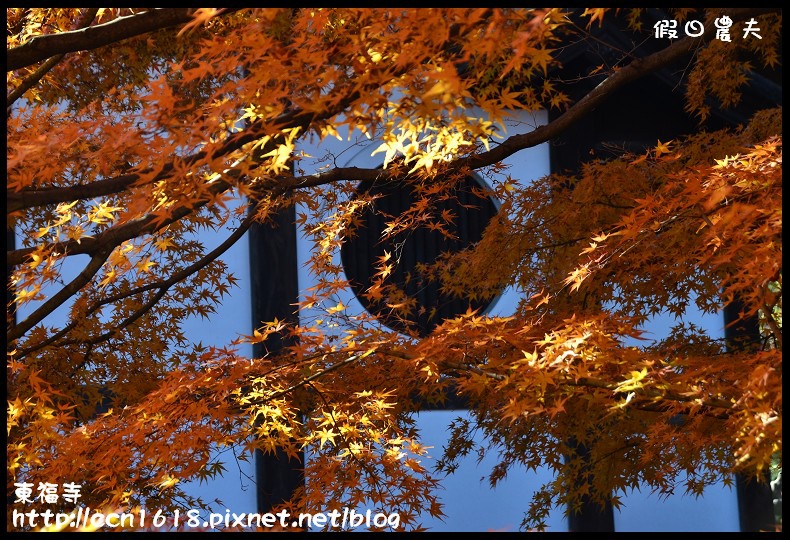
(275, 290)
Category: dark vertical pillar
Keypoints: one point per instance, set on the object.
(755, 500)
(10, 322)
(9, 292)
(275, 291)
(591, 516)
(566, 154)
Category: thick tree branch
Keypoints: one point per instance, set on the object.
(150, 223)
(42, 47)
(635, 70)
(116, 235)
(20, 200)
(33, 78)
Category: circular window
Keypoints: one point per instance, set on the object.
(411, 301)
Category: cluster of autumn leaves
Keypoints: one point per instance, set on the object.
(123, 151)
(706, 233)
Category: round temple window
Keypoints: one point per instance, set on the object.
(412, 302)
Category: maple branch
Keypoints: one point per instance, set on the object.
(115, 235)
(633, 71)
(305, 381)
(365, 466)
(590, 382)
(33, 78)
(515, 143)
(474, 369)
(45, 46)
(96, 262)
(20, 200)
(771, 323)
(163, 287)
(29, 198)
(653, 393)
(145, 308)
(151, 223)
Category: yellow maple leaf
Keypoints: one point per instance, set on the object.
(542, 58)
(36, 259)
(25, 295)
(337, 308)
(327, 435)
(595, 14)
(103, 213)
(662, 148)
(201, 16)
(165, 243)
(145, 265)
(168, 482)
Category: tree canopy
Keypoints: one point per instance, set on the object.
(132, 131)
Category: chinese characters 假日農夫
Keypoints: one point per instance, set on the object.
(668, 28)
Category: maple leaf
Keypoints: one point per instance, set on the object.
(662, 148)
(335, 309)
(576, 277)
(200, 17)
(326, 435)
(164, 243)
(595, 14)
(103, 213)
(167, 482)
(25, 295)
(35, 260)
(542, 58)
(145, 265)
